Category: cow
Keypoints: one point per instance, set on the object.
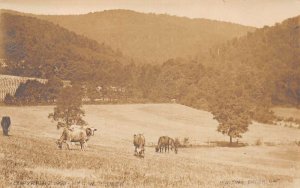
(5, 124)
(165, 142)
(139, 144)
(75, 134)
(173, 145)
(91, 130)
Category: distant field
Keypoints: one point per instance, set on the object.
(29, 155)
(287, 112)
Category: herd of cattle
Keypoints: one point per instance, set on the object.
(165, 143)
(81, 134)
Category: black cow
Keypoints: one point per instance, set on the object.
(5, 124)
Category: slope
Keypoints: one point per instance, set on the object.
(38, 48)
(150, 38)
(268, 58)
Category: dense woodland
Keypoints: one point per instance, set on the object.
(251, 72)
(40, 49)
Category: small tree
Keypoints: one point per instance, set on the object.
(9, 99)
(233, 115)
(68, 110)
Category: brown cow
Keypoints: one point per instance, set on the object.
(139, 144)
(165, 142)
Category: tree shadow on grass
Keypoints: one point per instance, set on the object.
(228, 144)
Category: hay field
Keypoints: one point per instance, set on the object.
(29, 157)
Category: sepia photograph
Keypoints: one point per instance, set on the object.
(150, 93)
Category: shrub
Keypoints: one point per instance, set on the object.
(258, 142)
(186, 141)
(9, 99)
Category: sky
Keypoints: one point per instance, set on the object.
(247, 12)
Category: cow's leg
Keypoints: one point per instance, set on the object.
(143, 149)
(82, 145)
(172, 146)
(59, 144)
(68, 144)
(135, 150)
(6, 132)
(4, 129)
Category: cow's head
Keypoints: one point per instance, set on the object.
(59, 144)
(156, 148)
(90, 131)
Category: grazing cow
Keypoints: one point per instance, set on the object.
(139, 144)
(5, 123)
(75, 134)
(173, 145)
(165, 142)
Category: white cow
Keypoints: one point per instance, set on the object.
(76, 133)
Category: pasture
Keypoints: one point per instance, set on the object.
(30, 157)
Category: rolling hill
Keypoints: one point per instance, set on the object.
(150, 38)
(38, 48)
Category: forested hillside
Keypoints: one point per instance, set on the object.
(151, 38)
(268, 59)
(38, 48)
(260, 69)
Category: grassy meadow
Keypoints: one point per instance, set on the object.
(29, 156)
